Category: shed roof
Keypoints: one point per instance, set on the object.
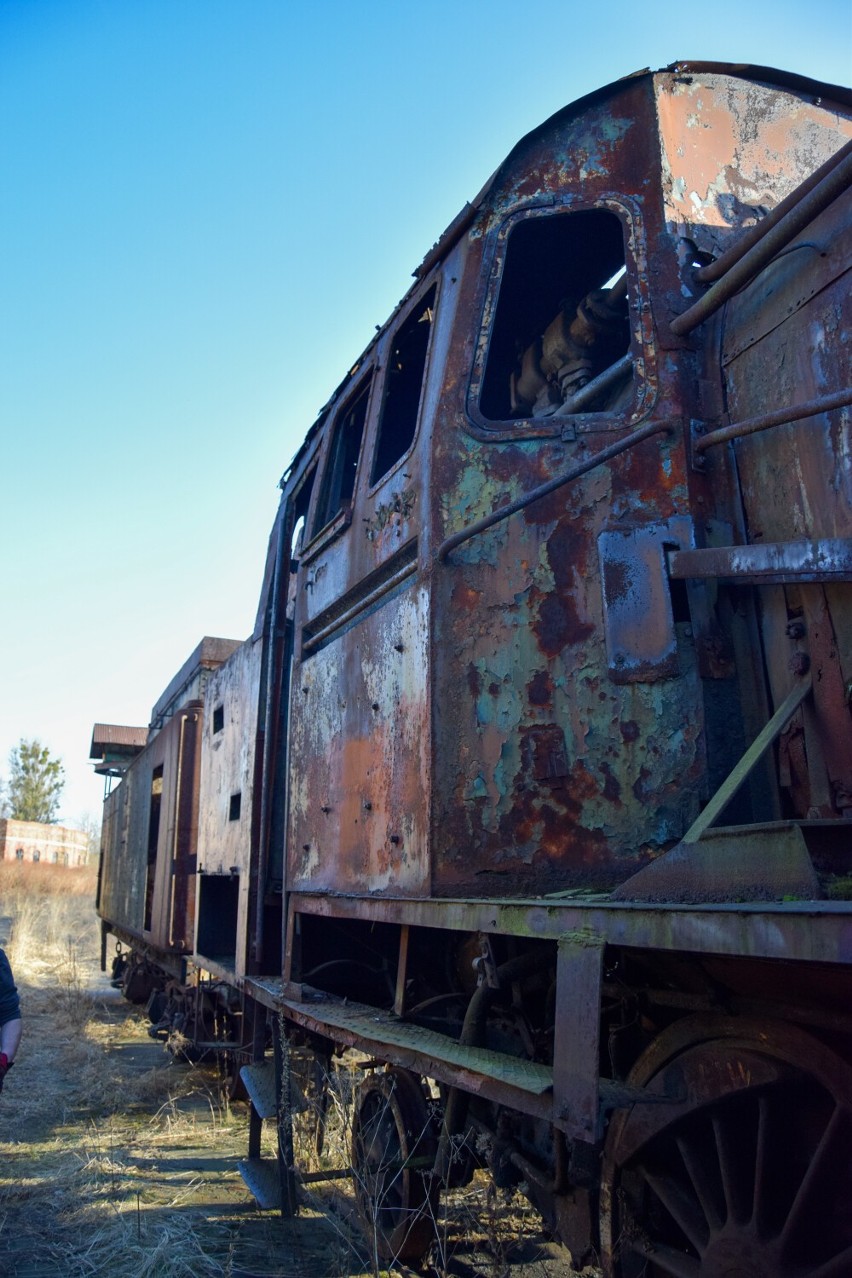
(114, 745)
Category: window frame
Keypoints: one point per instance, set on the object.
(366, 384)
(430, 283)
(644, 364)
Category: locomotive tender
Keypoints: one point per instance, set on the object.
(534, 778)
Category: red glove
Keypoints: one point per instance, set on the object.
(5, 1066)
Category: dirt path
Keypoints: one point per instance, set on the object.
(116, 1160)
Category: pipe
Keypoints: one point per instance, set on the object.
(777, 238)
(582, 468)
(716, 269)
(592, 389)
(752, 425)
(472, 1033)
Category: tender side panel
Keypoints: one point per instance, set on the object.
(228, 807)
(122, 883)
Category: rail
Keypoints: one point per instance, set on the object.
(780, 417)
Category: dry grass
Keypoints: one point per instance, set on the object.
(478, 1229)
(114, 1159)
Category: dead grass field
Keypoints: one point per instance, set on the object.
(117, 1160)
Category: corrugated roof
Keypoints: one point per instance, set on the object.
(111, 735)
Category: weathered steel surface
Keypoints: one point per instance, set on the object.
(228, 798)
(827, 560)
(796, 479)
(800, 931)
(359, 756)
(554, 691)
(741, 863)
(149, 843)
(576, 1040)
(525, 1085)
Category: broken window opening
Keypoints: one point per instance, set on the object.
(338, 483)
(406, 369)
(234, 806)
(561, 318)
(218, 719)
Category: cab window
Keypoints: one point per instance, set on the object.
(561, 320)
(406, 369)
(338, 483)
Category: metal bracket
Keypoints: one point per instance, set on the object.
(576, 1070)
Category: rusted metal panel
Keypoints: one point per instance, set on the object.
(638, 618)
(170, 897)
(517, 612)
(744, 863)
(359, 733)
(228, 798)
(191, 680)
(228, 766)
(732, 148)
(579, 973)
(148, 872)
(796, 481)
(122, 869)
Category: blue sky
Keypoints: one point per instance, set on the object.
(206, 207)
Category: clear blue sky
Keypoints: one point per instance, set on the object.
(206, 206)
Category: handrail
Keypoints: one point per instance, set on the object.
(780, 417)
(582, 468)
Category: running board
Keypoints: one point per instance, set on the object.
(526, 1085)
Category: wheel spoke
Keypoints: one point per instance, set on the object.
(752, 1171)
(840, 1266)
(391, 1122)
(680, 1206)
(762, 1164)
(834, 1137)
(698, 1165)
(730, 1171)
(677, 1263)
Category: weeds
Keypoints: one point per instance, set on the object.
(116, 1159)
(474, 1229)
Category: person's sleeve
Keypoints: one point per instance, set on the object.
(10, 1007)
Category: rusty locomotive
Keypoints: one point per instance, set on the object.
(534, 778)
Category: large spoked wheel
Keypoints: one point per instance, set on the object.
(393, 1148)
(746, 1172)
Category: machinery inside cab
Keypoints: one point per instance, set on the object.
(560, 319)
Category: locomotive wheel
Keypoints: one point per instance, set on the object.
(393, 1147)
(746, 1173)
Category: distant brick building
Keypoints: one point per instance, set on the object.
(34, 841)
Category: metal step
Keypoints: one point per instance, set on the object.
(263, 1181)
(259, 1080)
